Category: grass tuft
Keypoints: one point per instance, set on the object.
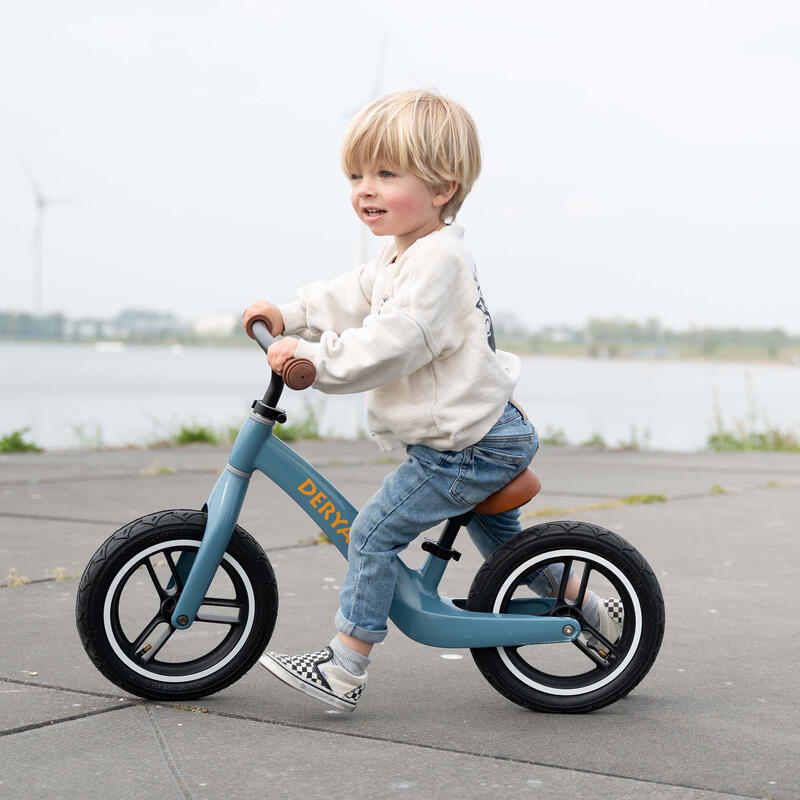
(637, 499)
(595, 440)
(750, 433)
(307, 427)
(15, 580)
(554, 436)
(14, 442)
(196, 434)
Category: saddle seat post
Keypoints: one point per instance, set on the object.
(513, 495)
(442, 551)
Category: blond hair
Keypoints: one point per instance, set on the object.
(419, 131)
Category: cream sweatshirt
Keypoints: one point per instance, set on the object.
(415, 334)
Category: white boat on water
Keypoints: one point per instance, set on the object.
(109, 347)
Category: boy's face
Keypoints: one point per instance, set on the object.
(395, 203)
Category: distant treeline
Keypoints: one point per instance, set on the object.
(599, 338)
(618, 337)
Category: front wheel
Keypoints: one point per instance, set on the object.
(130, 588)
(559, 561)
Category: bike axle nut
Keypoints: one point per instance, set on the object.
(183, 620)
(567, 630)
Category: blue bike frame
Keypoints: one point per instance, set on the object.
(417, 609)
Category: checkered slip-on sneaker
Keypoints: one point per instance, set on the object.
(612, 615)
(317, 676)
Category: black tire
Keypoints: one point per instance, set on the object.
(586, 674)
(123, 612)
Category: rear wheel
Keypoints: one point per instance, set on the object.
(130, 588)
(596, 669)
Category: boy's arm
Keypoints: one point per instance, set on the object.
(409, 330)
(330, 306)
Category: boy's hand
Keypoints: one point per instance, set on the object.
(281, 352)
(265, 312)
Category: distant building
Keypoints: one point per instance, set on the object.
(216, 325)
(87, 329)
(143, 324)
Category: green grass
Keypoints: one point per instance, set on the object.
(307, 427)
(637, 499)
(595, 440)
(89, 435)
(771, 440)
(635, 442)
(15, 442)
(753, 433)
(196, 434)
(554, 436)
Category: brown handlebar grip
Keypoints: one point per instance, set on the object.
(273, 319)
(299, 373)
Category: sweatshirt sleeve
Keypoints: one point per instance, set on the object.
(334, 305)
(408, 331)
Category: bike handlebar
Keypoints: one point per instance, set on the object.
(298, 373)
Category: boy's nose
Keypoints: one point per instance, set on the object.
(366, 188)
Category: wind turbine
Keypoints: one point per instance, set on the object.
(41, 203)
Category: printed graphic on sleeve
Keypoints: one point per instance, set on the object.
(487, 317)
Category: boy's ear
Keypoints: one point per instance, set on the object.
(444, 193)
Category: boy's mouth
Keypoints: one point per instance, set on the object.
(373, 213)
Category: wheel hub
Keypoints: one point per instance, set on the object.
(168, 606)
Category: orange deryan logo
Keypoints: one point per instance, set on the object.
(324, 507)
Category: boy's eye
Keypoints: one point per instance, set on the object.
(385, 173)
(354, 176)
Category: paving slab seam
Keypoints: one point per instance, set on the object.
(86, 692)
(700, 468)
(32, 581)
(51, 518)
(471, 753)
(50, 722)
(144, 474)
(113, 477)
(179, 780)
(567, 493)
(318, 729)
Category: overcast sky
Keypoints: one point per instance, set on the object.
(640, 158)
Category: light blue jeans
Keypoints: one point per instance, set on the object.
(430, 486)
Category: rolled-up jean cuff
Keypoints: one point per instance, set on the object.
(345, 626)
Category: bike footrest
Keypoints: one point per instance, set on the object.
(446, 553)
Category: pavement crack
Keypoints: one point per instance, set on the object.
(53, 518)
(180, 781)
(50, 722)
(94, 476)
(471, 753)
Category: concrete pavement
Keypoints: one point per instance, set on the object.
(716, 716)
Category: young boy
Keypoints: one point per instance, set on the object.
(413, 331)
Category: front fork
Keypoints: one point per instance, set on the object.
(223, 504)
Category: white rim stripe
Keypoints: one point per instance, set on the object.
(193, 543)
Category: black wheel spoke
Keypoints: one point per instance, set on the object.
(221, 601)
(608, 646)
(216, 618)
(143, 636)
(153, 577)
(584, 583)
(589, 653)
(160, 642)
(173, 569)
(562, 589)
